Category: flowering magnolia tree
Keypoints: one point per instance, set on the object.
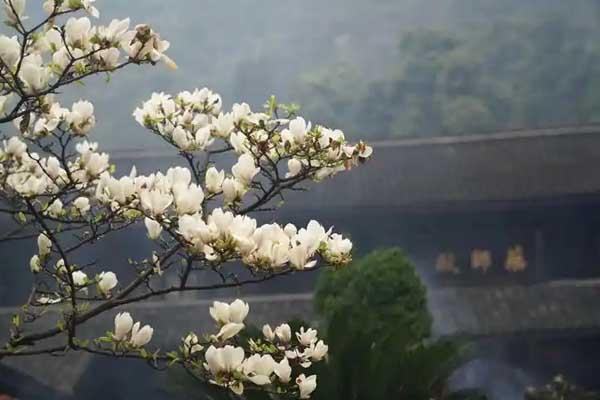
(62, 192)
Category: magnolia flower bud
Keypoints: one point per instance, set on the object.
(123, 324)
(318, 351)
(107, 281)
(82, 205)
(268, 332)
(180, 137)
(141, 337)
(306, 385)
(44, 245)
(191, 344)
(79, 278)
(294, 167)
(214, 180)
(34, 264)
(245, 169)
(229, 330)
(283, 370)
(55, 209)
(284, 333)
(154, 228)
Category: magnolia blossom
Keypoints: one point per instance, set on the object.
(258, 369)
(245, 169)
(226, 359)
(35, 264)
(10, 50)
(283, 370)
(317, 351)
(294, 167)
(229, 330)
(15, 10)
(44, 245)
(107, 281)
(79, 278)
(224, 313)
(283, 333)
(214, 180)
(154, 228)
(141, 337)
(191, 345)
(55, 208)
(306, 385)
(82, 205)
(123, 325)
(306, 337)
(81, 118)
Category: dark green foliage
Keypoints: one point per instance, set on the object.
(378, 330)
(506, 73)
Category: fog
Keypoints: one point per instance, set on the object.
(380, 69)
(500, 101)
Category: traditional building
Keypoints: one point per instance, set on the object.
(504, 228)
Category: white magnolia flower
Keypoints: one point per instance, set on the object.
(81, 118)
(141, 337)
(15, 10)
(35, 264)
(233, 190)
(188, 199)
(123, 325)
(82, 205)
(79, 278)
(294, 167)
(229, 330)
(306, 337)
(35, 76)
(3, 101)
(116, 32)
(224, 313)
(154, 228)
(299, 257)
(10, 50)
(223, 125)
(245, 169)
(284, 333)
(226, 359)
(78, 32)
(155, 201)
(214, 180)
(15, 147)
(61, 267)
(317, 351)
(258, 369)
(191, 344)
(44, 245)
(338, 247)
(283, 370)
(268, 332)
(298, 129)
(306, 385)
(107, 281)
(55, 209)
